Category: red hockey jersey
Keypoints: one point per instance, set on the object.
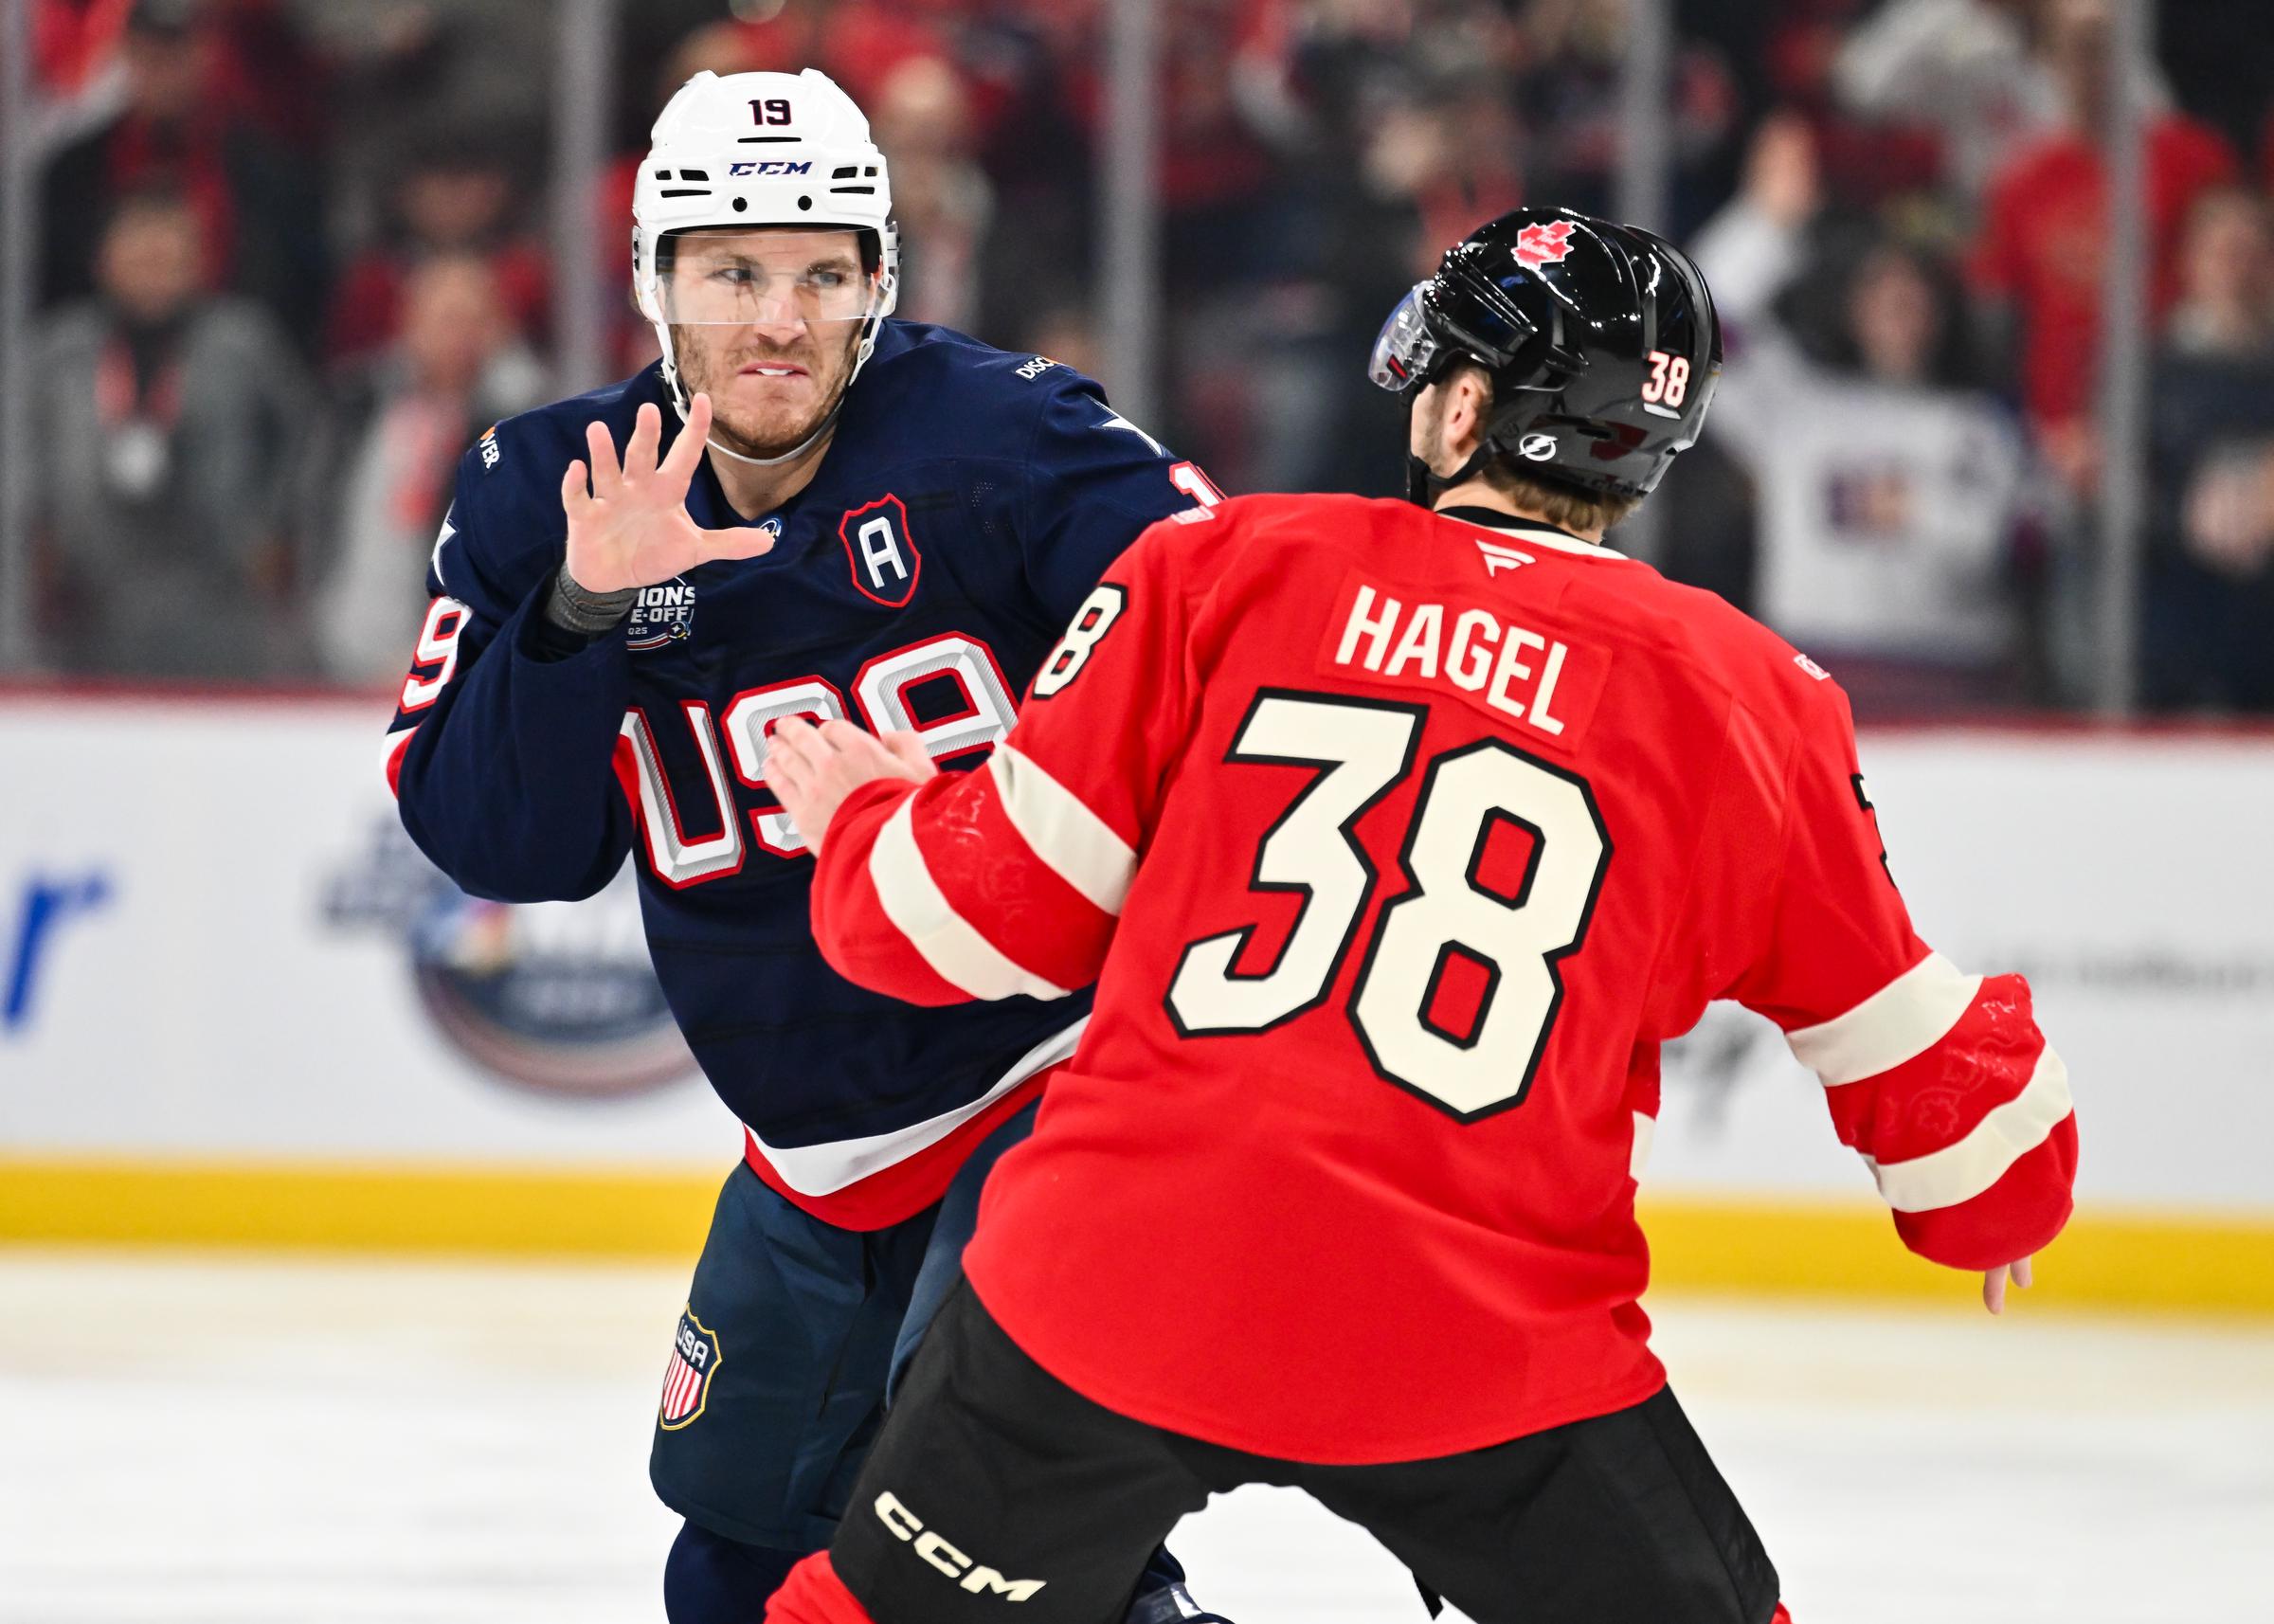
(1403, 841)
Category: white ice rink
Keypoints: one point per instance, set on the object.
(261, 1442)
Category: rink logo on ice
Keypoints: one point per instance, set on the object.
(558, 998)
(975, 1576)
(695, 1359)
(665, 614)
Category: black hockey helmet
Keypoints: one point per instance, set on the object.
(1600, 341)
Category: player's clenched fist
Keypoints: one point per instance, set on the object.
(812, 769)
(630, 527)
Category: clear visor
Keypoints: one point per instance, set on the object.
(1404, 347)
(709, 288)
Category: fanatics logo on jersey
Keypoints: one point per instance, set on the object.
(695, 1359)
(1547, 244)
(663, 615)
(882, 552)
(1498, 557)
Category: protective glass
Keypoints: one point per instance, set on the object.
(714, 287)
(1404, 347)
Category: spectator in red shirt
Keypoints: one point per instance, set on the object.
(455, 197)
(2042, 252)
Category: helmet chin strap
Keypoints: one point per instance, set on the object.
(1424, 485)
(803, 445)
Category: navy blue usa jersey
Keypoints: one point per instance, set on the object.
(969, 502)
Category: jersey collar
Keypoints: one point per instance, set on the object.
(1531, 530)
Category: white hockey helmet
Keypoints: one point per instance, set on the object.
(756, 150)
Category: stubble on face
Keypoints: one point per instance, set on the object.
(1427, 426)
(764, 423)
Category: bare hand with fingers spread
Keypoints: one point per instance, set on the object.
(631, 529)
(812, 769)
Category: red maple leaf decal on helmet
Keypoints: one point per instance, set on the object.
(1538, 246)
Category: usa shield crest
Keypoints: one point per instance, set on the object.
(695, 1359)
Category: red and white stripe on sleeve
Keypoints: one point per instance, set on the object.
(987, 885)
(1960, 1106)
(393, 744)
(1010, 880)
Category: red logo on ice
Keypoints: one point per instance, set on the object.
(1538, 246)
(695, 1359)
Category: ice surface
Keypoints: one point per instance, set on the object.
(300, 1442)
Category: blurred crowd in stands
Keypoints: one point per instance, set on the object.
(293, 257)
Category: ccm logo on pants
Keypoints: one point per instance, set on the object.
(975, 1577)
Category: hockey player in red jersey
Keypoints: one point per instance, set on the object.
(1397, 836)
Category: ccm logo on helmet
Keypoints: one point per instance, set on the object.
(977, 1578)
(776, 166)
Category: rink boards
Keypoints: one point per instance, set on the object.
(236, 1006)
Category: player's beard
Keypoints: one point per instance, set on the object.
(711, 360)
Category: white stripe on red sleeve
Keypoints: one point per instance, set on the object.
(1902, 1021)
(911, 899)
(1963, 1170)
(1078, 845)
(1638, 1153)
(1942, 1099)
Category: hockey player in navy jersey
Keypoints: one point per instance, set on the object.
(806, 509)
